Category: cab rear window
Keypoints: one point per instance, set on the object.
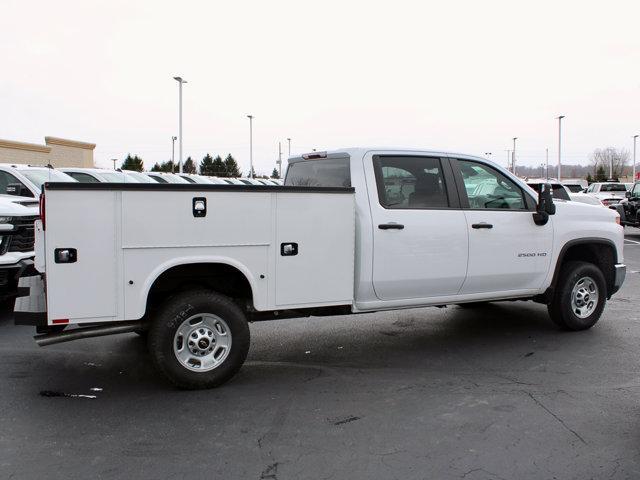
(331, 172)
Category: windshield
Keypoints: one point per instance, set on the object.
(612, 187)
(319, 173)
(140, 177)
(574, 188)
(38, 176)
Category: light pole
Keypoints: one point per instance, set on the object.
(289, 142)
(180, 80)
(250, 117)
(560, 147)
(508, 159)
(513, 153)
(173, 152)
(114, 160)
(547, 162)
(635, 137)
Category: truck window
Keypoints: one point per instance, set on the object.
(6, 178)
(490, 189)
(331, 172)
(83, 177)
(409, 182)
(613, 187)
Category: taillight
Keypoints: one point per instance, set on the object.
(42, 209)
(618, 219)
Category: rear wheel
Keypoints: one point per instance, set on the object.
(199, 339)
(580, 296)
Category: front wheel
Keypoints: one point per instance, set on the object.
(199, 339)
(580, 296)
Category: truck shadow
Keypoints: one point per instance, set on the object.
(286, 352)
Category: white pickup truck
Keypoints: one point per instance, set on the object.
(355, 230)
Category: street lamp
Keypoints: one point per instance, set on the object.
(250, 117)
(560, 147)
(635, 137)
(180, 80)
(513, 158)
(114, 160)
(173, 152)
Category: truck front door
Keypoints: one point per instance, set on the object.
(419, 231)
(507, 250)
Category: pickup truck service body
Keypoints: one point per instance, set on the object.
(355, 230)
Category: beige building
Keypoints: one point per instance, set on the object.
(57, 152)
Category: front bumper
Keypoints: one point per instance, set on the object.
(620, 274)
(10, 273)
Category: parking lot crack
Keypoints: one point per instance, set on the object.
(566, 427)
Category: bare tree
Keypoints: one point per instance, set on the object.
(611, 159)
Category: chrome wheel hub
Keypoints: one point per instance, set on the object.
(202, 342)
(584, 297)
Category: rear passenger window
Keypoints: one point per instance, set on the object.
(408, 182)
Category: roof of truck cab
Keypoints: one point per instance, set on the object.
(361, 151)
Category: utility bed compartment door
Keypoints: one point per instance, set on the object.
(323, 228)
(86, 287)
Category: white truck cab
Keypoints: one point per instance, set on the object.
(353, 230)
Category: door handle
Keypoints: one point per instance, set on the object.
(482, 225)
(390, 226)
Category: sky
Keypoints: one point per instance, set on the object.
(464, 76)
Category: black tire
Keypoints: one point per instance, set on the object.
(173, 313)
(560, 308)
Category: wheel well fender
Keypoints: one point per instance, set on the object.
(222, 274)
(599, 251)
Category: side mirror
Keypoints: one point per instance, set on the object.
(17, 189)
(545, 205)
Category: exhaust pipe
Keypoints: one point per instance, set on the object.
(88, 332)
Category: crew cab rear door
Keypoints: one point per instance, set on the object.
(419, 231)
(507, 250)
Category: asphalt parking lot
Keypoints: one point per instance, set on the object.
(491, 393)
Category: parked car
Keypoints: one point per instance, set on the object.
(576, 185)
(609, 193)
(192, 266)
(98, 175)
(16, 243)
(562, 192)
(203, 179)
(558, 190)
(26, 180)
(140, 176)
(162, 177)
(629, 208)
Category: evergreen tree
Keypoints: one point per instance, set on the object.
(189, 166)
(207, 166)
(231, 167)
(167, 166)
(219, 169)
(156, 167)
(589, 179)
(132, 163)
(275, 173)
(252, 173)
(601, 175)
